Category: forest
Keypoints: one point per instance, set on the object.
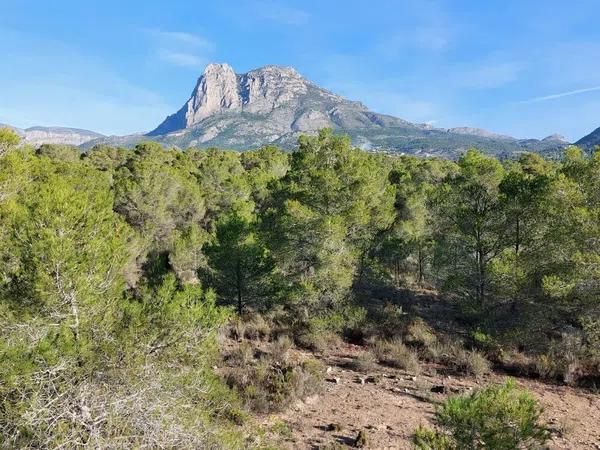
(150, 297)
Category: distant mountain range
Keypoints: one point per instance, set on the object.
(55, 135)
(274, 105)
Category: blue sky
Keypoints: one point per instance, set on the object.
(527, 68)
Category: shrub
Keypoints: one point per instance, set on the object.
(396, 354)
(428, 439)
(364, 362)
(421, 334)
(273, 381)
(440, 352)
(518, 363)
(317, 341)
(281, 347)
(470, 362)
(256, 327)
(241, 355)
(500, 417)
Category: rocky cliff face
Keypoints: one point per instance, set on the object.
(279, 97)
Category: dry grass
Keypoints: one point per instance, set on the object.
(396, 354)
(470, 362)
(364, 362)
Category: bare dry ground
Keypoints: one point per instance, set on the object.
(389, 404)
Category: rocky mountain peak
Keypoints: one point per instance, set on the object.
(275, 104)
(216, 91)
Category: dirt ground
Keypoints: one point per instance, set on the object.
(391, 404)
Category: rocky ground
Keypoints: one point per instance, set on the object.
(389, 404)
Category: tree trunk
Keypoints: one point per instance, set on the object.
(420, 265)
(238, 273)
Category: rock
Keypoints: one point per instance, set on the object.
(311, 399)
(361, 440)
(334, 427)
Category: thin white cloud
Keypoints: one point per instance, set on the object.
(180, 48)
(182, 38)
(561, 95)
(282, 14)
(182, 59)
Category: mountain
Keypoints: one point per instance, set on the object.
(274, 105)
(590, 141)
(55, 135)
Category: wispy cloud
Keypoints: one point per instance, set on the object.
(561, 95)
(282, 14)
(182, 59)
(180, 48)
(180, 37)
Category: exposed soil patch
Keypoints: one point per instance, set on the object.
(388, 404)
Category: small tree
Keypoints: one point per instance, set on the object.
(499, 417)
(240, 263)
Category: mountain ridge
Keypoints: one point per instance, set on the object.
(589, 141)
(274, 105)
(38, 135)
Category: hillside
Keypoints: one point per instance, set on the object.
(590, 141)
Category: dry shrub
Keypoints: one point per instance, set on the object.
(421, 334)
(241, 355)
(273, 381)
(470, 362)
(364, 362)
(518, 363)
(237, 328)
(439, 352)
(396, 354)
(155, 406)
(257, 327)
(280, 348)
(317, 341)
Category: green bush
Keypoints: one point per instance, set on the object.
(499, 417)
